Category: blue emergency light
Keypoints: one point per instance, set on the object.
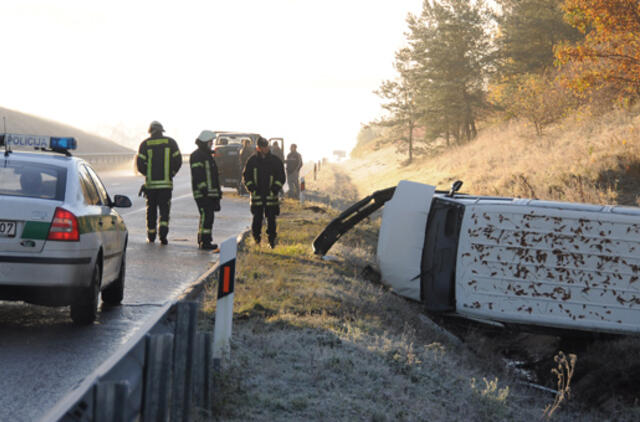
(62, 143)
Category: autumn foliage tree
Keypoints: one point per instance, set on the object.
(539, 98)
(609, 56)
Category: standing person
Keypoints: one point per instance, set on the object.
(263, 177)
(294, 164)
(275, 150)
(278, 152)
(206, 187)
(245, 152)
(159, 160)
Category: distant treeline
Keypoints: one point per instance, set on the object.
(531, 59)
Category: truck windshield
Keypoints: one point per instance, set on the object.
(32, 180)
(231, 140)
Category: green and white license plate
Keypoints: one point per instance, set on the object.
(7, 228)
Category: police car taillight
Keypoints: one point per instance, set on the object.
(64, 226)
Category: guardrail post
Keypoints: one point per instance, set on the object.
(157, 377)
(224, 305)
(183, 347)
(111, 401)
(202, 372)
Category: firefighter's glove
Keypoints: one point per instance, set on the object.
(216, 204)
(142, 191)
(203, 191)
(275, 190)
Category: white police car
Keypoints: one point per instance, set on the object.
(61, 240)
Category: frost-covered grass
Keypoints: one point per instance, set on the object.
(313, 341)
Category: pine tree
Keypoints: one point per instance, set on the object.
(400, 102)
(452, 49)
(528, 32)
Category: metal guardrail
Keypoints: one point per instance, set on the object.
(167, 362)
(101, 160)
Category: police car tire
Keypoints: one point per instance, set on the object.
(114, 292)
(84, 310)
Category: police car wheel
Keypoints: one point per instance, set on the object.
(112, 295)
(84, 310)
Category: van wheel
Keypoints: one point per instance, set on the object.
(84, 309)
(112, 295)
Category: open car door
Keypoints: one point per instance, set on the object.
(349, 218)
(280, 141)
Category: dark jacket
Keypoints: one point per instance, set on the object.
(245, 154)
(264, 177)
(159, 159)
(294, 162)
(275, 150)
(204, 174)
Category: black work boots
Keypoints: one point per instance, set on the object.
(207, 246)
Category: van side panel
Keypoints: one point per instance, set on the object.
(566, 268)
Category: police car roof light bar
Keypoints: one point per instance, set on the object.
(60, 145)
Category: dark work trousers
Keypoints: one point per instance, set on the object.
(158, 199)
(294, 184)
(260, 211)
(205, 208)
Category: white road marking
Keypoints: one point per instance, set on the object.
(186, 195)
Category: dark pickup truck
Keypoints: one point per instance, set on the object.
(226, 151)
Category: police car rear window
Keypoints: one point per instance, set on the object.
(32, 180)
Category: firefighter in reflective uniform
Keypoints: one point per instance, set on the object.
(263, 177)
(159, 160)
(206, 187)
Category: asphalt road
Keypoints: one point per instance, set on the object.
(43, 355)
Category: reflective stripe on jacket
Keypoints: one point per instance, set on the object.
(159, 159)
(204, 175)
(264, 177)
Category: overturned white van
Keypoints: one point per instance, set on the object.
(505, 260)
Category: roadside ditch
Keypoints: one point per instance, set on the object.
(322, 339)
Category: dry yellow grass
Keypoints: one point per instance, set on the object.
(583, 159)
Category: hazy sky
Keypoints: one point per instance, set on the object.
(303, 70)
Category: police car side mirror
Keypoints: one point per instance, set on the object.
(121, 201)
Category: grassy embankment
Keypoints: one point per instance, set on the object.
(313, 340)
(594, 159)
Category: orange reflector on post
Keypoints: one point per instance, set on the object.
(226, 276)
(225, 282)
